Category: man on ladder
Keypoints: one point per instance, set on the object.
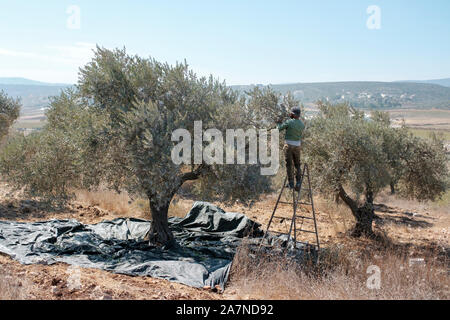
(294, 131)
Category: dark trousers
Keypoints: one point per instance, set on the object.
(292, 157)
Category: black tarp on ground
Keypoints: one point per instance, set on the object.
(207, 239)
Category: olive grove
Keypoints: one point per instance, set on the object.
(9, 112)
(349, 152)
(115, 128)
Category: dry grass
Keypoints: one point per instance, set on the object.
(339, 214)
(107, 200)
(179, 208)
(122, 205)
(343, 275)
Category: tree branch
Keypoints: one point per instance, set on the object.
(189, 176)
(193, 175)
(348, 201)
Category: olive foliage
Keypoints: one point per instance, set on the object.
(52, 162)
(116, 129)
(356, 157)
(9, 112)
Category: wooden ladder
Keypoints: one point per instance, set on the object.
(294, 231)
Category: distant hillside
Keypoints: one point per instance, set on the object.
(441, 82)
(369, 95)
(28, 82)
(34, 97)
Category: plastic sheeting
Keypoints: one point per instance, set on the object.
(207, 240)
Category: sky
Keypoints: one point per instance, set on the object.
(241, 42)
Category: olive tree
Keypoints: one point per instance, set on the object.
(348, 152)
(9, 112)
(54, 160)
(118, 128)
(147, 101)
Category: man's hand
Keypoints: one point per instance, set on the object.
(279, 120)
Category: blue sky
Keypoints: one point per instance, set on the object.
(242, 42)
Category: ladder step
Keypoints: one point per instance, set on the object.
(303, 203)
(301, 230)
(285, 234)
(297, 217)
(305, 188)
(302, 217)
(285, 218)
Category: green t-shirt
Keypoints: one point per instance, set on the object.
(294, 129)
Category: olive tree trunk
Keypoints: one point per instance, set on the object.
(364, 215)
(160, 233)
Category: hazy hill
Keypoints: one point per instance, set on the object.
(27, 82)
(376, 95)
(34, 97)
(441, 82)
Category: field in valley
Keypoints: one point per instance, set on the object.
(420, 120)
(423, 119)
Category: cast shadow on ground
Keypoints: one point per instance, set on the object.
(401, 218)
(29, 209)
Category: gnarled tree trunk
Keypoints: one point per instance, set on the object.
(160, 233)
(364, 215)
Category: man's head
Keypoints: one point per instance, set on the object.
(295, 113)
